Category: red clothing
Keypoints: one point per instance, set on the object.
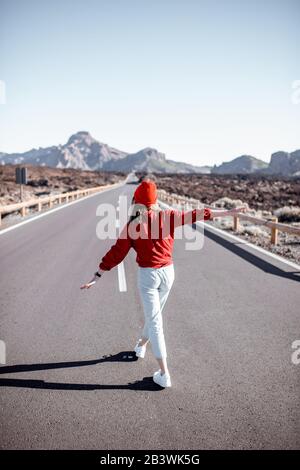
(152, 239)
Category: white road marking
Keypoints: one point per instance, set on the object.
(121, 268)
(244, 242)
(122, 278)
(50, 211)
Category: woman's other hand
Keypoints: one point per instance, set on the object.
(93, 281)
(88, 285)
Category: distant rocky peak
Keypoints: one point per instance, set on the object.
(153, 153)
(81, 137)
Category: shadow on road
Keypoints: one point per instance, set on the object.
(145, 384)
(123, 356)
(251, 258)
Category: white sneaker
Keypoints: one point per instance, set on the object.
(162, 380)
(140, 351)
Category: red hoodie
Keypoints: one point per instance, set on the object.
(152, 239)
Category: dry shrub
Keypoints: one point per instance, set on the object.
(227, 203)
(255, 231)
(288, 214)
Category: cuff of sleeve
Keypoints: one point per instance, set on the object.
(102, 267)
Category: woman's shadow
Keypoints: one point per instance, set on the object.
(123, 356)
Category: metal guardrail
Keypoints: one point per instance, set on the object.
(22, 207)
(271, 223)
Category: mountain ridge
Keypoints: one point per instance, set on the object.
(82, 151)
(243, 164)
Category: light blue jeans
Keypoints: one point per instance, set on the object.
(154, 286)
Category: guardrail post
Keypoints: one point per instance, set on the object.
(236, 223)
(0, 218)
(23, 211)
(50, 202)
(39, 206)
(274, 232)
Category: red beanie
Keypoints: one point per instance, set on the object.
(146, 193)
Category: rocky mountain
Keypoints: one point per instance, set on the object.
(81, 151)
(285, 163)
(282, 163)
(150, 160)
(242, 165)
(84, 152)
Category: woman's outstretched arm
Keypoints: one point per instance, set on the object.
(113, 257)
(181, 217)
(194, 215)
(117, 252)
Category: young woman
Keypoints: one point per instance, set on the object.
(150, 232)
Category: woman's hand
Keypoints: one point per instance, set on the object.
(88, 285)
(93, 281)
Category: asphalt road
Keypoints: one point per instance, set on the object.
(72, 381)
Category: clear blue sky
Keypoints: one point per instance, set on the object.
(202, 81)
